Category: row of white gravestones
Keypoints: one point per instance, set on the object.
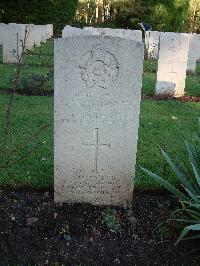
(177, 54)
(14, 34)
(170, 78)
(135, 35)
(152, 45)
(97, 103)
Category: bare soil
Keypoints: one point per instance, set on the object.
(36, 231)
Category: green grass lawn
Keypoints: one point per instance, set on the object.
(159, 121)
(192, 84)
(29, 114)
(157, 129)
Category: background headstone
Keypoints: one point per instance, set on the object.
(172, 64)
(41, 33)
(153, 44)
(97, 103)
(12, 45)
(49, 30)
(147, 33)
(2, 29)
(69, 31)
(37, 35)
(135, 35)
(194, 53)
(29, 36)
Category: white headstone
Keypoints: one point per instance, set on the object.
(97, 103)
(29, 36)
(37, 35)
(44, 33)
(12, 42)
(172, 64)
(69, 31)
(2, 29)
(153, 44)
(41, 33)
(147, 34)
(194, 53)
(29, 29)
(135, 35)
(50, 30)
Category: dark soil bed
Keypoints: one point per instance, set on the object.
(36, 231)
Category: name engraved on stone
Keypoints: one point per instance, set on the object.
(99, 68)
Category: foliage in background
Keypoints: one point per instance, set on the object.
(189, 191)
(169, 15)
(163, 15)
(193, 19)
(56, 12)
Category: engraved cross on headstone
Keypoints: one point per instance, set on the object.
(173, 73)
(96, 146)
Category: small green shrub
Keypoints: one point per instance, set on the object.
(189, 191)
(33, 84)
(111, 220)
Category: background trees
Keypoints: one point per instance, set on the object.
(57, 12)
(163, 15)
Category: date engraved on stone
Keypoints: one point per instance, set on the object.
(99, 68)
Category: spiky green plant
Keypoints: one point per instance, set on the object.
(188, 190)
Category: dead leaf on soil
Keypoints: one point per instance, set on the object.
(31, 220)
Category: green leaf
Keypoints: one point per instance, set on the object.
(195, 206)
(193, 162)
(166, 184)
(196, 200)
(176, 211)
(186, 230)
(193, 214)
(184, 220)
(180, 175)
